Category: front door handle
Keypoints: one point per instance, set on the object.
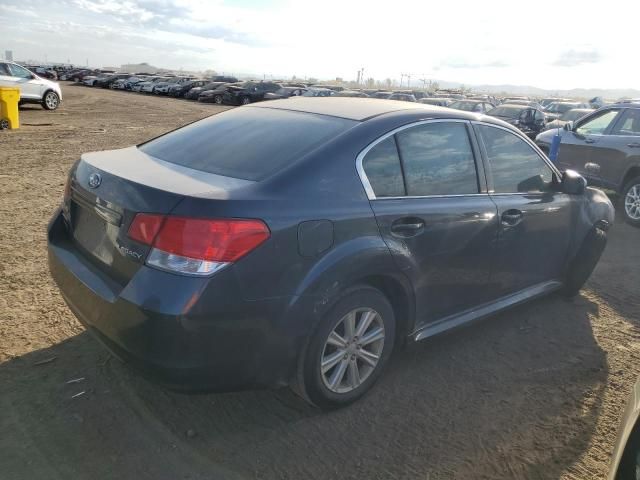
(511, 218)
(589, 140)
(407, 227)
(592, 167)
(633, 145)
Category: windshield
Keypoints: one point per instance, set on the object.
(466, 106)
(271, 139)
(572, 115)
(505, 111)
(560, 107)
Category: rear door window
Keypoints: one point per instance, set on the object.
(437, 159)
(383, 170)
(248, 143)
(629, 124)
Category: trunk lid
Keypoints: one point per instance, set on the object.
(109, 188)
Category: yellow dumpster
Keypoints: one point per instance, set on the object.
(9, 98)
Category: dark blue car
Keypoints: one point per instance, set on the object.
(298, 242)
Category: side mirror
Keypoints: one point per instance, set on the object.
(568, 126)
(573, 183)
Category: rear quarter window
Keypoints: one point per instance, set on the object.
(248, 143)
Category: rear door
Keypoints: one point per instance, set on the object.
(577, 146)
(430, 201)
(535, 219)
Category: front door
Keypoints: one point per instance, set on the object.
(535, 218)
(25, 81)
(579, 145)
(435, 215)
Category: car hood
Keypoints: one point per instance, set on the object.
(55, 86)
(557, 123)
(509, 120)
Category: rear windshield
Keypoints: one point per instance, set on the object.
(248, 143)
(507, 112)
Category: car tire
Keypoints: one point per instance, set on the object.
(584, 262)
(351, 367)
(51, 100)
(217, 99)
(245, 101)
(631, 202)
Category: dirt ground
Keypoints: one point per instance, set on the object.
(534, 393)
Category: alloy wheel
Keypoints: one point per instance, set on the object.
(352, 351)
(632, 202)
(51, 99)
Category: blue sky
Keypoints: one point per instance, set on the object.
(550, 44)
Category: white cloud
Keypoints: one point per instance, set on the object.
(472, 42)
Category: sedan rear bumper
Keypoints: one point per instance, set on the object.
(187, 333)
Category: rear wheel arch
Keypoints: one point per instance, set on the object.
(400, 297)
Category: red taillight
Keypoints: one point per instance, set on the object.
(179, 241)
(145, 227)
(211, 240)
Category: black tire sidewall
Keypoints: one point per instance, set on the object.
(625, 190)
(314, 388)
(585, 261)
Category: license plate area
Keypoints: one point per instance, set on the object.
(93, 233)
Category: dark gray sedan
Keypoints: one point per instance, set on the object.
(299, 241)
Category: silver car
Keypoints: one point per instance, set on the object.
(33, 89)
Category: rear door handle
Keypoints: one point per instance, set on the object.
(589, 140)
(410, 228)
(511, 218)
(633, 145)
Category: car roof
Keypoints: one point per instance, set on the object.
(515, 105)
(359, 109)
(628, 104)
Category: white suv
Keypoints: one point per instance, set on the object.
(33, 89)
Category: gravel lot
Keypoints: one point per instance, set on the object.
(535, 393)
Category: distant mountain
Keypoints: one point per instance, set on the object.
(612, 94)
